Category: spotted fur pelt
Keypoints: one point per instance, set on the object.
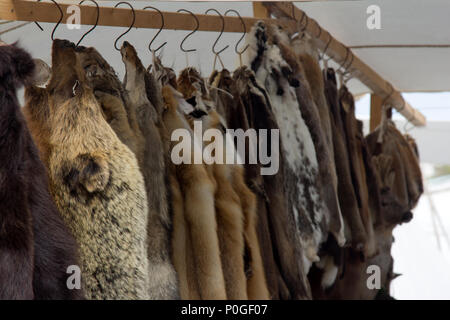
(302, 179)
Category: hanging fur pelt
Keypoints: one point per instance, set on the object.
(229, 215)
(96, 183)
(287, 247)
(301, 170)
(355, 143)
(163, 279)
(36, 247)
(222, 86)
(110, 93)
(235, 109)
(196, 252)
(354, 229)
(314, 107)
(328, 191)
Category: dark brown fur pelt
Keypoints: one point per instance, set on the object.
(163, 279)
(355, 232)
(355, 143)
(36, 248)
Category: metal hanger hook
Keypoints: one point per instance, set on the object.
(220, 34)
(61, 15)
(191, 33)
(132, 23)
(243, 35)
(159, 31)
(96, 20)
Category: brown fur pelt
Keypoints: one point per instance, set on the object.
(355, 141)
(286, 278)
(117, 108)
(236, 117)
(36, 246)
(355, 232)
(229, 215)
(196, 252)
(96, 183)
(163, 279)
(231, 106)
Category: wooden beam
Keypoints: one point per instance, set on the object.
(259, 10)
(375, 111)
(21, 10)
(341, 54)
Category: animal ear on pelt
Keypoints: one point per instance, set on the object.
(15, 63)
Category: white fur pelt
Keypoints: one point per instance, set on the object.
(301, 166)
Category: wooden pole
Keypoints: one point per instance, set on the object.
(21, 10)
(375, 111)
(341, 54)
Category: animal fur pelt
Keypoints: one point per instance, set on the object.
(236, 215)
(354, 229)
(96, 183)
(223, 89)
(236, 117)
(399, 172)
(311, 95)
(289, 281)
(163, 280)
(196, 253)
(302, 177)
(229, 215)
(110, 93)
(312, 116)
(355, 141)
(332, 221)
(36, 248)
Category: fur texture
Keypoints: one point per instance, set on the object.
(97, 185)
(163, 279)
(286, 278)
(202, 268)
(35, 246)
(229, 215)
(254, 268)
(302, 175)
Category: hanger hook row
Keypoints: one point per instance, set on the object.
(243, 35)
(389, 95)
(326, 46)
(132, 23)
(197, 24)
(345, 59)
(61, 15)
(96, 20)
(220, 34)
(159, 31)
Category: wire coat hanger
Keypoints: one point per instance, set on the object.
(159, 31)
(191, 33)
(96, 20)
(220, 34)
(61, 15)
(132, 23)
(241, 38)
